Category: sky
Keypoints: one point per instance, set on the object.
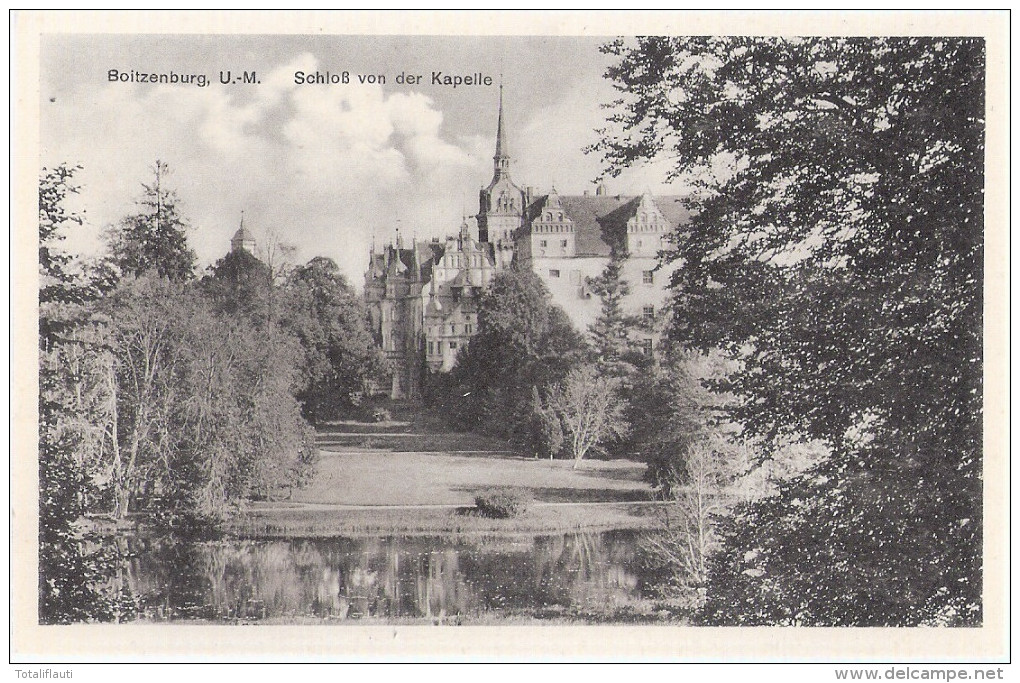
(325, 168)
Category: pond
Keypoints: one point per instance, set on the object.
(389, 578)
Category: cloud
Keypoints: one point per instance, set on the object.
(325, 167)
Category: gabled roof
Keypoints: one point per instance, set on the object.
(424, 254)
(600, 221)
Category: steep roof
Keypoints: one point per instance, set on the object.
(600, 221)
(242, 234)
(402, 260)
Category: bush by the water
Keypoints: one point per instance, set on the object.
(503, 502)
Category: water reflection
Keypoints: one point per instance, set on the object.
(393, 577)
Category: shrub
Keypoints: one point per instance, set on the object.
(502, 502)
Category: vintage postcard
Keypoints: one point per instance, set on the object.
(501, 335)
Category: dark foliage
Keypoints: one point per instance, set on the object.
(330, 320)
(503, 502)
(154, 239)
(836, 255)
(76, 567)
(241, 284)
(522, 342)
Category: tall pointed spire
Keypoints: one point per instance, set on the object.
(501, 148)
(501, 160)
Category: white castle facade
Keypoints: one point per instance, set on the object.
(423, 297)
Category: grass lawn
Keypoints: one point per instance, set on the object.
(381, 477)
(407, 477)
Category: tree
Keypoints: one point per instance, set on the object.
(241, 284)
(835, 253)
(74, 564)
(671, 411)
(590, 409)
(523, 341)
(155, 238)
(331, 322)
(698, 495)
(546, 431)
(58, 284)
(610, 333)
(203, 410)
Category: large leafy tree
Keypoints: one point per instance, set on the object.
(155, 238)
(74, 565)
(591, 409)
(523, 342)
(241, 284)
(203, 410)
(329, 318)
(836, 253)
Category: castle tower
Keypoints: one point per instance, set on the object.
(242, 239)
(501, 205)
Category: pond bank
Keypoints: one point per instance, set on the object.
(275, 520)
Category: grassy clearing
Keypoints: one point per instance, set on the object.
(413, 462)
(381, 477)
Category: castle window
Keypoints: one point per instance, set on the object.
(453, 329)
(548, 216)
(648, 313)
(646, 347)
(554, 273)
(432, 348)
(640, 243)
(543, 243)
(559, 217)
(468, 329)
(563, 243)
(647, 277)
(453, 345)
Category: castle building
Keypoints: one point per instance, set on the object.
(242, 239)
(423, 300)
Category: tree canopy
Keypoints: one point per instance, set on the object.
(523, 341)
(155, 238)
(330, 320)
(615, 352)
(835, 252)
(242, 284)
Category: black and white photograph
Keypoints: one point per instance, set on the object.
(540, 328)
